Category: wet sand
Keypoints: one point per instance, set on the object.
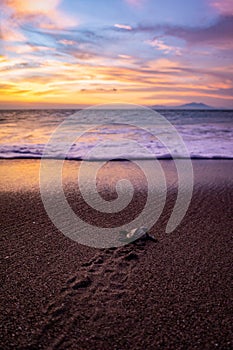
(171, 294)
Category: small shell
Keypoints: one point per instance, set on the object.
(137, 232)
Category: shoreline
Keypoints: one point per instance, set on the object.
(79, 159)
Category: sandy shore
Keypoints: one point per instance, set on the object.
(173, 294)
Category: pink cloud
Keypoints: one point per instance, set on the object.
(223, 6)
(217, 34)
(123, 26)
(125, 57)
(135, 2)
(161, 46)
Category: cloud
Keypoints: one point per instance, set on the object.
(125, 57)
(218, 33)
(99, 90)
(123, 26)
(42, 14)
(135, 3)
(51, 80)
(31, 7)
(67, 42)
(161, 46)
(223, 6)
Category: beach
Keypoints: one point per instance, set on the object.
(174, 293)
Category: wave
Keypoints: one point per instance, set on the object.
(206, 134)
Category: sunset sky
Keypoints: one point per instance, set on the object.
(70, 53)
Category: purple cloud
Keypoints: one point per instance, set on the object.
(218, 33)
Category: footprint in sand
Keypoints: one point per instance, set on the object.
(106, 275)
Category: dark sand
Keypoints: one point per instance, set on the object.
(173, 294)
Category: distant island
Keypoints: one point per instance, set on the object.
(192, 105)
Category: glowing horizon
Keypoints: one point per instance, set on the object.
(74, 53)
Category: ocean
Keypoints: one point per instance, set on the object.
(24, 134)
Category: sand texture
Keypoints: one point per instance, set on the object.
(175, 293)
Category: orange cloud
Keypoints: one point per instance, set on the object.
(45, 13)
(33, 7)
(42, 81)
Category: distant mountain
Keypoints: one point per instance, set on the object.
(194, 105)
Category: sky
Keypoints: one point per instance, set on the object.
(69, 53)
